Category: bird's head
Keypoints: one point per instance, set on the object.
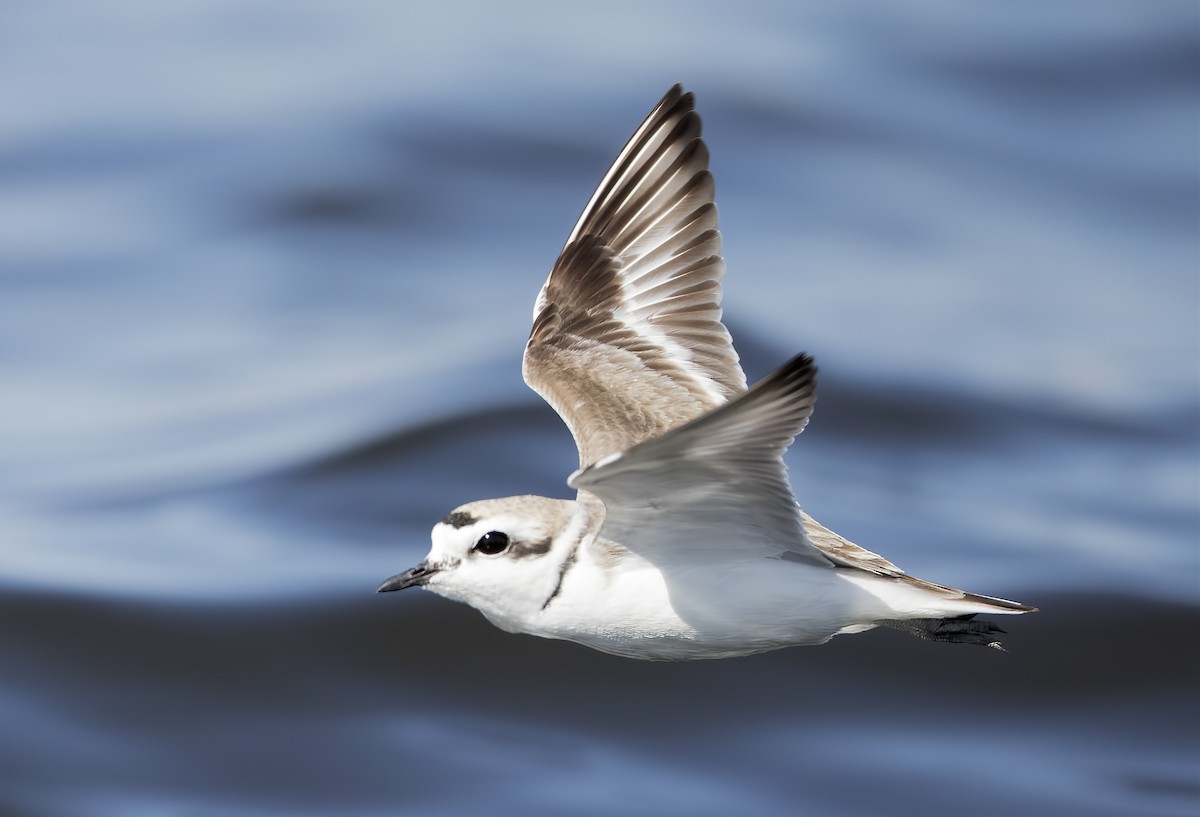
(504, 557)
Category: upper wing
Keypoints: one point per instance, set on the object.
(721, 471)
(627, 338)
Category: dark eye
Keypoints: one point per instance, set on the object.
(492, 542)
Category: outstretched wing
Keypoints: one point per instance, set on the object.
(723, 471)
(627, 339)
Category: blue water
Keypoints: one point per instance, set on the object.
(266, 272)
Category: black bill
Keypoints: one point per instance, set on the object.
(413, 577)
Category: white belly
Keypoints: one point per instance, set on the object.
(705, 609)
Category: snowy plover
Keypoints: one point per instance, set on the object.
(684, 540)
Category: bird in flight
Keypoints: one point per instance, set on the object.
(684, 540)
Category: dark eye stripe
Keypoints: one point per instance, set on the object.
(520, 550)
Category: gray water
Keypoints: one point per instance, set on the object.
(266, 271)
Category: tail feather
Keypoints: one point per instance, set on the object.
(961, 598)
(1000, 605)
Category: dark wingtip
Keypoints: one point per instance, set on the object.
(797, 375)
(677, 99)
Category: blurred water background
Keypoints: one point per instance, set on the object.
(266, 271)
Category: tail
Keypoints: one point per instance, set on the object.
(936, 612)
(980, 603)
(959, 629)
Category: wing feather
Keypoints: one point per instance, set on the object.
(722, 470)
(627, 340)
